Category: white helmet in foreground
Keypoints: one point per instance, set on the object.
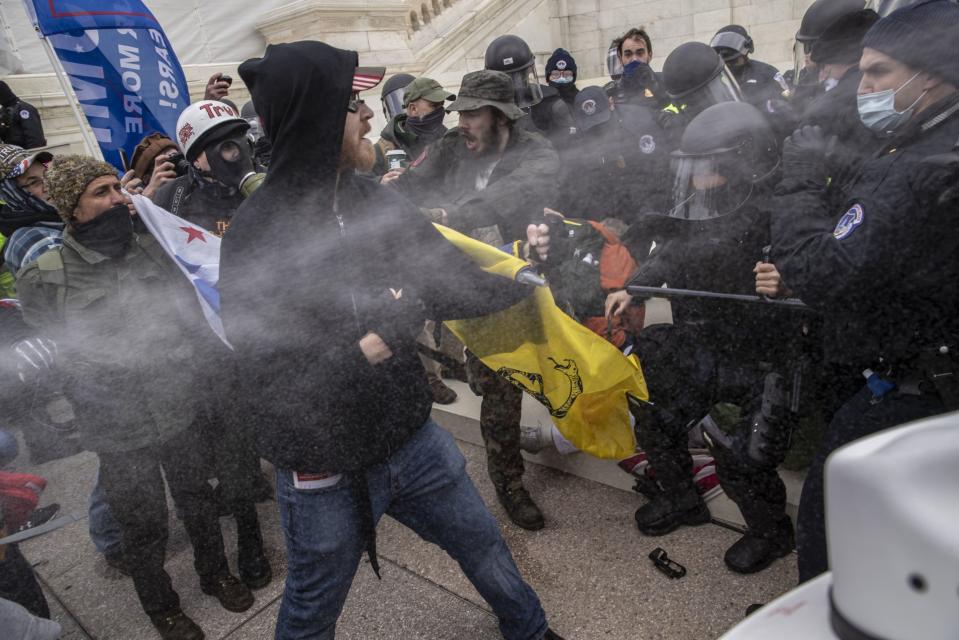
(892, 517)
(197, 123)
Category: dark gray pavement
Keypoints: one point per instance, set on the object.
(589, 566)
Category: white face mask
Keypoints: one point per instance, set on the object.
(829, 84)
(878, 110)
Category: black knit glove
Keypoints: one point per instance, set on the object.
(804, 156)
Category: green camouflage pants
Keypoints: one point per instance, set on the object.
(499, 422)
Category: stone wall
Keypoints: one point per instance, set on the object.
(444, 39)
(588, 26)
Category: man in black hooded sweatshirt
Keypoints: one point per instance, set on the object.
(332, 384)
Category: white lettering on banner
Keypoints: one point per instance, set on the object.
(132, 83)
(88, 92)
(85, 91)
(131, 104)
(168, 87)
(95, 111)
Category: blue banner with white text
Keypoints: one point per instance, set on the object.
(121, 66)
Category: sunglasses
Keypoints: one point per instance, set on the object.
(354, 104)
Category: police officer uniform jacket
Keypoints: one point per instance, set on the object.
(887, 256)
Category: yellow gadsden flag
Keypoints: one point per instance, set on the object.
(581, 378)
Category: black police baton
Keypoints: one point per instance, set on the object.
(657, 292)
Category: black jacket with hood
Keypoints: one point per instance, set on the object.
(304, 274)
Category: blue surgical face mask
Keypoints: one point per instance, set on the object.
(561, 81)
(878, 110)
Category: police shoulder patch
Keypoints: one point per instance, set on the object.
(647, 144)
(848, 222)
(24, 114)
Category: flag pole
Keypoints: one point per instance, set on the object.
(92, 147)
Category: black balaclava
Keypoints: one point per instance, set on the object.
(428, 126)
(110, 233)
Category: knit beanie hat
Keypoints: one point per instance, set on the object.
(562, 61)
(68, 177)
(922, 36)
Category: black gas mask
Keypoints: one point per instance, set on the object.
(230, 160)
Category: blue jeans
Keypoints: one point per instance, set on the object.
(105, 531)
(423, 486)
(9, 449)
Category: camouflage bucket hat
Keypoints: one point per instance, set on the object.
(487, 89)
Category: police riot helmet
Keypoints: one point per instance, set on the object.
(614, 65)
(511, 55)
(696, 77)
(727, 154)
(731, 42)
(392, 95)
(818, 17)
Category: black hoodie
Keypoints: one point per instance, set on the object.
(301, 283)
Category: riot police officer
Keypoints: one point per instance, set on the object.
(758, 81)
(618, 166)
(548, 113)
(888, 255)
(724, 172)
(391, 98)
(805, 75)
(836, 54)
(695, 77)
(19, 121)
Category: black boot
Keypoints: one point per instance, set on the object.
(667, 512)
(552, 635)
(754, 552)
(175, 625)
(227, 588)
(521, 509)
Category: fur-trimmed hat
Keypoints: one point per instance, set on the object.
(68, 177)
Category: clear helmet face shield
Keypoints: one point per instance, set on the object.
(722, 88)
(801, 50)
(526, 86)
(613, 64)
(393, 103)
(709, 186)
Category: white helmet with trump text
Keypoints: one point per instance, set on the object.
(198, 122)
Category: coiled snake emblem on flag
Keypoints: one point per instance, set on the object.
(532, 383)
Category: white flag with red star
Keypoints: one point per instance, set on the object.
(195, 250)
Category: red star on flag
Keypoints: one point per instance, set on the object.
(194, 234)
